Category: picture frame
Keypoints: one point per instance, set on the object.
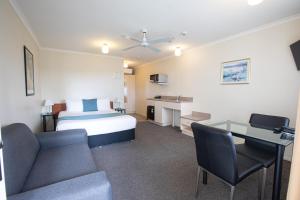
(29, 72)
(236, 71)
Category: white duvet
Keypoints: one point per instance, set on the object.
(96, 126)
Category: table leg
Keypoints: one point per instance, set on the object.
(204, 178)
(44, 124)
(278, 172)
(54, 123)
(173, 117)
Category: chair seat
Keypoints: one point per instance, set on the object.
(246, 166)
(59, 164)
(267, 158)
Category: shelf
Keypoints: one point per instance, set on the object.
(187, 130)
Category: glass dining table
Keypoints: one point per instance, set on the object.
(245, 131)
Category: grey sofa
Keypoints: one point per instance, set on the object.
(52, 165)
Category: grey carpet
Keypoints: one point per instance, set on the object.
(161, 165)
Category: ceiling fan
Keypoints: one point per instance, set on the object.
(146, 43)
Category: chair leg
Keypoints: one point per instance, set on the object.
(262, 184)
(197, 182)
(232, 189)
(204, 173)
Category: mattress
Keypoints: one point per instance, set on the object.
(112, 122)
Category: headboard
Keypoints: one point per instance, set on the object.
(58, 107)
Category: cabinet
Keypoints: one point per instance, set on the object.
(187, 120)
(167, 113)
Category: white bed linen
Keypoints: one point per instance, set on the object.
(96, 126)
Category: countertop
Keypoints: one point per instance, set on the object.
(197, 116)
(173, 99)
(170, 100)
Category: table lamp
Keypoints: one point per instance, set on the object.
(48, 104)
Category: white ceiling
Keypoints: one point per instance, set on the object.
(84, 25)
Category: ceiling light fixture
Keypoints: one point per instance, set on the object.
(254, 2)
(178, 51)
(105, 48)
(125, 65)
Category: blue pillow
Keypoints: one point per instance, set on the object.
(89, 105)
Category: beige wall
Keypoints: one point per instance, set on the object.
(274, 86)
(69, 75)
(293, 191)
(14, 105)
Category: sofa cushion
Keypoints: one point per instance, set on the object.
(93, 186)
(59, 164)
(20, 148)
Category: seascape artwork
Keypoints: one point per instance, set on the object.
(235, 72)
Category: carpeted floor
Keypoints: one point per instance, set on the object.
(161, 165)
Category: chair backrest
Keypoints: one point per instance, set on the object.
(268, 122)
(20, 148)
(216, 152)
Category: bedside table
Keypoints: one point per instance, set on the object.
(44, 117)
(120, 110)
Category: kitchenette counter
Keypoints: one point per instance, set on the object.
(170, 100)
(197, 116)
(173, 99)
(168, 110)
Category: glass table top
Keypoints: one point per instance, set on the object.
(246, 131)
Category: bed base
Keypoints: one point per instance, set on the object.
(110, 138)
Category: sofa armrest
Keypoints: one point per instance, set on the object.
(62, 138)
(93, 186)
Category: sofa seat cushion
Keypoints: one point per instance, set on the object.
(59, 164)
(93, 186)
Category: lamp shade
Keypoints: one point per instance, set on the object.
(48, 103)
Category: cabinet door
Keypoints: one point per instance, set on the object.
(158, 112)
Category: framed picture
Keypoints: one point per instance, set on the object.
(29, 72)
(235, 72)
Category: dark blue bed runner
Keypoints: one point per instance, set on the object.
(86, 117)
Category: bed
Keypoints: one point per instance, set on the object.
(103, 127)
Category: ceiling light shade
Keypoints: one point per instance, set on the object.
(178, 51)
(105, 49)
(254, 2)
(125, 65)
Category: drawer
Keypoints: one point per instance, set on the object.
(186, 122)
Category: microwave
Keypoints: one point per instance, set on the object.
(159, 78)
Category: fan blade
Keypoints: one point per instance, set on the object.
(161, 40)
(127, 37)
(128, 48)
(154, 49)
(135, 39)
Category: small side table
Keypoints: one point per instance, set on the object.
(121, 110)
(44, 116)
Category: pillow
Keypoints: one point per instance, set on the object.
(74, 106)
(89, 105)
(103, 104)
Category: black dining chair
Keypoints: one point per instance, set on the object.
(216, 155)
(260, 151)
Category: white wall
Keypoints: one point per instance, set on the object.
(14, 105)
(70, 75)
(274, 84)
